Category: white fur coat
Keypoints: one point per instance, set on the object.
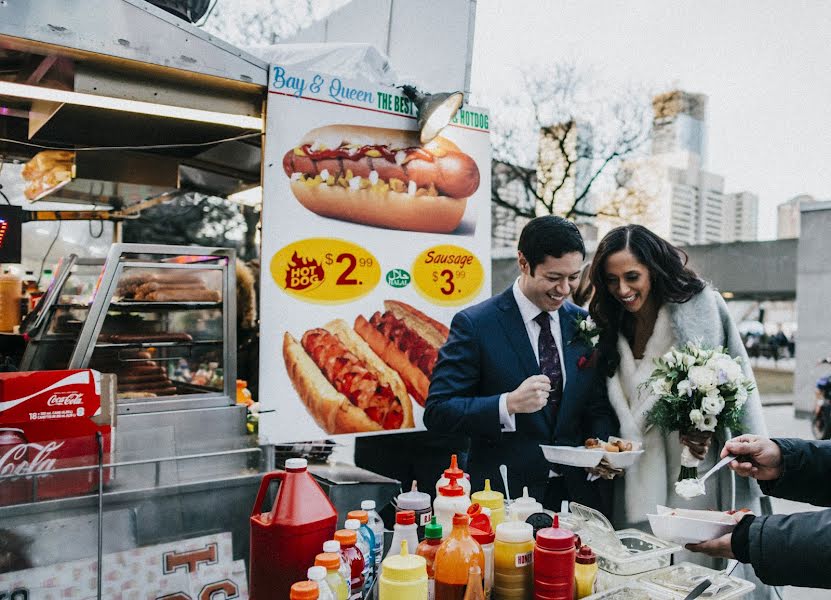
(705, 320)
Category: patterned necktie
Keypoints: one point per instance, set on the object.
(550, 360)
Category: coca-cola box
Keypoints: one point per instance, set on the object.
(49, 421)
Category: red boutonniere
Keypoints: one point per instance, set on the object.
(587, 362)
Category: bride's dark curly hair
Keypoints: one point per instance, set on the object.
(671, 281)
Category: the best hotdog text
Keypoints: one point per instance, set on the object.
(382, 177)
(408, 341)
(344, 385)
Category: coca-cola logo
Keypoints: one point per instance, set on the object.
(65, 399)
(18, 460)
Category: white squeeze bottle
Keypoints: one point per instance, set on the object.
(454, 472)
(318, 575)
(525, 506)
(377, 526)
(451, 500)
(333, 546)
(419, 502)
(405, 529)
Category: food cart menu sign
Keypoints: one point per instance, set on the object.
(371, 241)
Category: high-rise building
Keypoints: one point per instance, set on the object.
(788, 216)
(741, 217)
(563, 165)
(679, 129)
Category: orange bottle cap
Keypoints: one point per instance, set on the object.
(242, 383)
(346, 537)
(452, 489)
(328, 560)
(360, 515)
(460, 519)
(405, 517)
(304, 590)
(454, 472)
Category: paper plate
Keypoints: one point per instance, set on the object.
(684, 526)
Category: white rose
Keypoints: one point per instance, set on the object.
(712, 404)
(595, 339)
(708, 423)
(669, 358)
(702, 378)
(583, 326)
(688, 360)
(590, 324)
(684, 388)
(696, 417)
(727, 370)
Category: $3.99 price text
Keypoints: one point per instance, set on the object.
(325, 270)
(448, 275)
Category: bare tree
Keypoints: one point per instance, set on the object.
(564, 142)
(248, 22)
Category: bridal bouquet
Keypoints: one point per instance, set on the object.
(696, 389)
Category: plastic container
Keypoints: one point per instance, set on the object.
(585, 573)
(482, 532)
(243, 393)
(493, 500)
(451, 500)
(353, 557)
(369, 537)
(554, 558)
(376, 524)
(513, 561)
(285, 540)
(333, 547)
(404, 576)
(365, 544)
(684, 526)
(318, 575)
(304, 590)
(10, 287)
(524, 506)
(454, 472)
(621, 555)
(334, 577)
(420, 503)
(404, 529)
(456, 554)
(427, 549)
(679, 580)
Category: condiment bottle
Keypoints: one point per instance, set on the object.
(456, 554)
(404, 529)
(304, 590)
(454, 472)
(585, 572)
(427, 549)
(285, 541)
(554, 558)
(404, 576)
(318, 575)
(418, 502)
(350, 552)
(334, 577)
(243, 393)
(513, 561)
(482, 532)
(451, 500)
(474, 589)
(525, 506)
(493, 500)
(376, 524)
(363, 544)
(368, 536)
(333, 547)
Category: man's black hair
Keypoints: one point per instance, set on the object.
(549, 236)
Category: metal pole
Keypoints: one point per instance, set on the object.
(268, 458)
(100, 441)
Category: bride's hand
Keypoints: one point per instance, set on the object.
(698, 442)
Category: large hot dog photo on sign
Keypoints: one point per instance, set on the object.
(382, 177)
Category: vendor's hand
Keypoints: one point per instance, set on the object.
(698, 442)
(721, 547)
(530, 396)
(605, 470)
(759, 457)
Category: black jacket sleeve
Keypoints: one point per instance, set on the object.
(806, 469)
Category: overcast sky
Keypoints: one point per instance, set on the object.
(765, 65)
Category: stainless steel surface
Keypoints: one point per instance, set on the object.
(347, 486)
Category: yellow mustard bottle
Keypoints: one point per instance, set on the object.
(585, 573)
(493, 500)
(513, 561)
(403, 576)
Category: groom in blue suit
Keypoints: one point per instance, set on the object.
(514, 374)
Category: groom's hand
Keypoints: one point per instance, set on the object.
(530, 396)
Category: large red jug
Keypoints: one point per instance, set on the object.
(285, 541)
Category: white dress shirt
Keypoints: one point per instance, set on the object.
(528, 310)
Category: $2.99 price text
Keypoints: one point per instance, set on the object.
(325, 270)
(448, 275)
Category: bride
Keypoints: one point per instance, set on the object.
(646, 301)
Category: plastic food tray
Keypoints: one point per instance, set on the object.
(679, 580)
(630, 591)
(580, 456)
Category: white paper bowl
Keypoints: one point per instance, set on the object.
(621, 460)
(690, 526)
(573, 456)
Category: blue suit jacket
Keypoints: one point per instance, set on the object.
(488, 353)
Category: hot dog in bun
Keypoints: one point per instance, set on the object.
(382, 177)
(344, 385)
(408, 341)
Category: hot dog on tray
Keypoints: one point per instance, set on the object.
(344, 385)
(382, 177)
(408, 341)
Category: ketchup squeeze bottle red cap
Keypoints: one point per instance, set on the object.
(452, 489)
(453, 471)
(585, 556)
(555, 538)
(405, 517)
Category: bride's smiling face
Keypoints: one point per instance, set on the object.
(627, 280)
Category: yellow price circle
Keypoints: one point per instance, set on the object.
(325, 270)
(448, 275)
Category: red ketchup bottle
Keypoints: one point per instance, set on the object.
(554, 556)
(285, 541)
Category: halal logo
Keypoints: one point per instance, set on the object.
(398, 278)
(303, 274)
